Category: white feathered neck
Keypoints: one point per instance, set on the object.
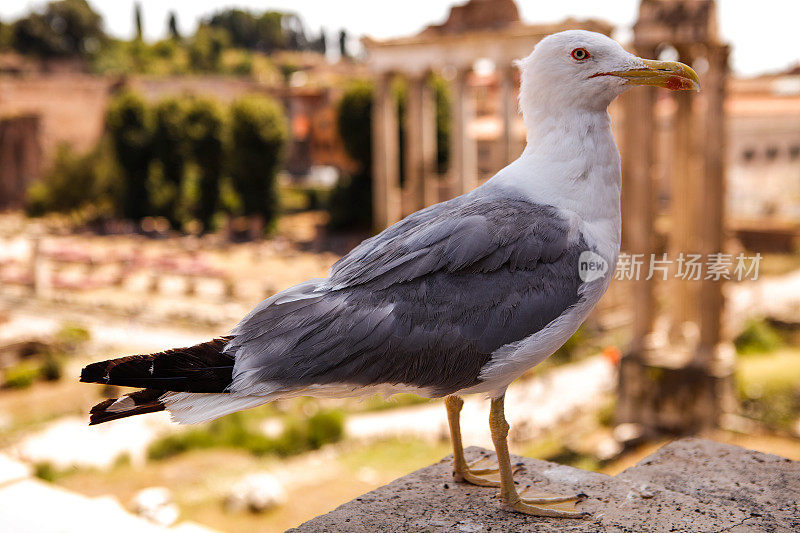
(572, 162)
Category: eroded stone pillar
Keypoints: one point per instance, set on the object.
(508, 108)
(638, 237)
(684, 235)
(430, 178)
(385, 155)
(463, 148)
(638, 197)
(420, 128)
(711, 222)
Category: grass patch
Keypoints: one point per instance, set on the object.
(394, 456)
(238, 431)
(297, 198)
(769, 386)
(47, 471)
(757, 336)
(22, 375)
(46, 362)
(607, 414)
(553, 450)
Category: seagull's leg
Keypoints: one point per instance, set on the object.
(482, 472)
(556, 506)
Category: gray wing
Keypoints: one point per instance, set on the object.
(475, 232)
(424, 303)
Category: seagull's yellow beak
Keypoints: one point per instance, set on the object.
(668, 74)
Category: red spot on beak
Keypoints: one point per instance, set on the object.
(679, 83)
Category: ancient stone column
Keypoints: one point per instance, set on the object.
(674, 380)
(427, 134)
(508, 108)
(638, 197)
(711, 222)
(385, 155)
(420, 128)
(638, 237)
(684, 236)
(463, 148)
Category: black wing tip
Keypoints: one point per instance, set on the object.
(155, 370)
(95, 373)
(144, 401)
(105, 416)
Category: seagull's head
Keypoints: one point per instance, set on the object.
(587, 70)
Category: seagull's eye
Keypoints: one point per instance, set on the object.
(579, 54)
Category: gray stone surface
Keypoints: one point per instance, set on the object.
(688, 485)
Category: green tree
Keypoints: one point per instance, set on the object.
(442, 96)
(320, 44)
(295, 32)
(75, 182)
(265, 32)
(172, 26)
(258, 136)
(129, 126)
(137, 21)
(67, 28)
(206, 47)
(205, 130)
(5, 35)
(170, 152)
(343, 53)
(252, 31)
(271, 36)
(350, 203)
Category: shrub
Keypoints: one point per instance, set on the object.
(442, 96)
(45, 471)
(65, 28)
(21, 375)
(310, 433)
(354, 116)
(206, 47)
(777, 407)
(350, 202)
(205, 131)
(325, 427)
(71, 336)
(129, 126)
(74, 183)
(51, 368)
(769, 387)
(235, 431)
(258, 136)
(170, 154)
(757, 336)
(51, 473)
(176, 159)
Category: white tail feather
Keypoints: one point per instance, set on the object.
(196, 407)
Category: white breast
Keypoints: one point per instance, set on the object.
(580, 175)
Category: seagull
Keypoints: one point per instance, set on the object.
(459, 298)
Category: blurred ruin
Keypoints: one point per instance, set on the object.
(152, 193)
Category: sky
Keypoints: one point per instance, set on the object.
(763, 33)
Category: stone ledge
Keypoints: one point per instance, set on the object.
(688, 485)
